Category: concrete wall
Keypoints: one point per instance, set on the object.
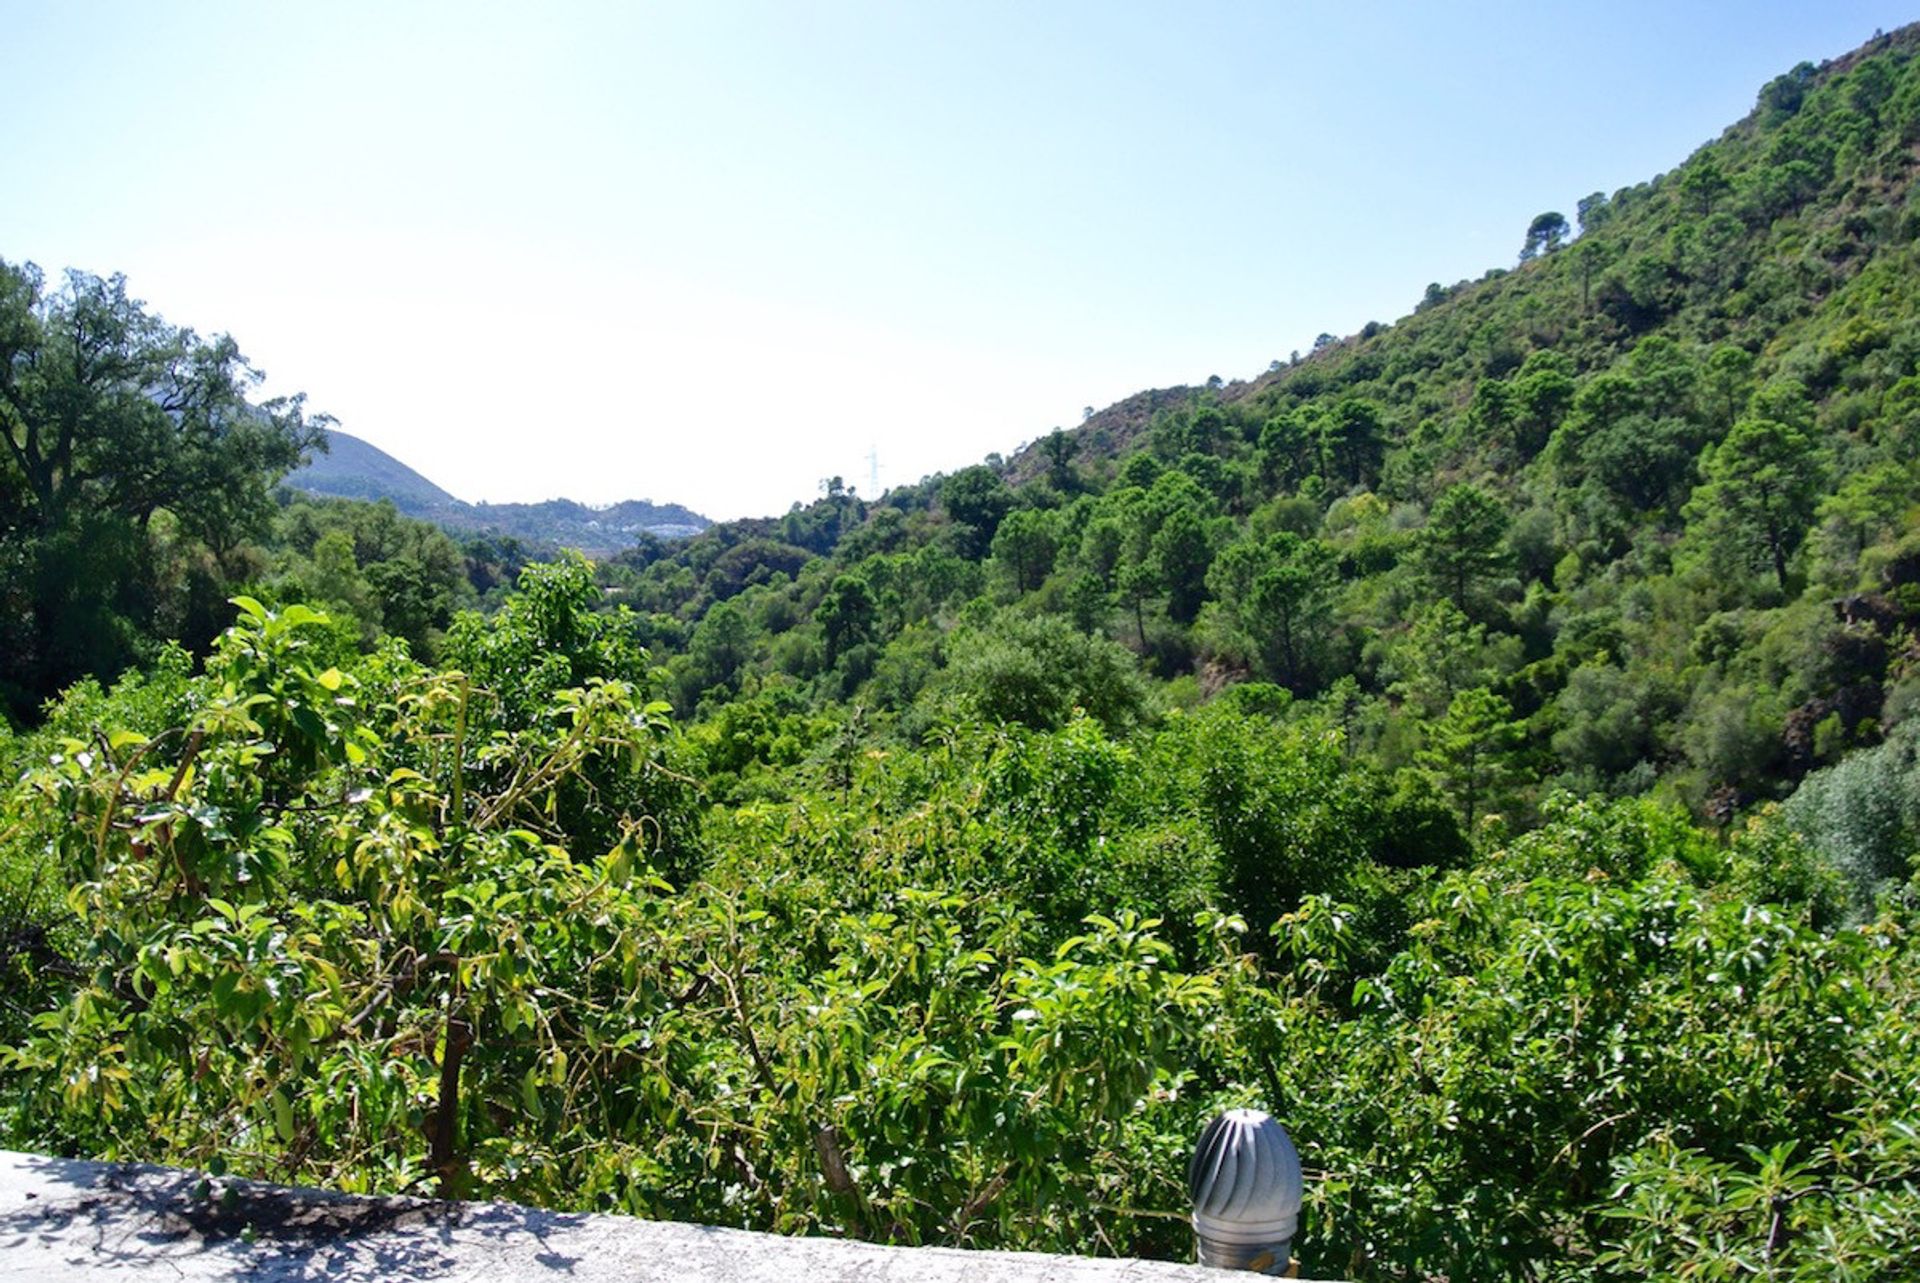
(64, 1220)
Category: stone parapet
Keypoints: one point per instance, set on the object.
(62, 1219)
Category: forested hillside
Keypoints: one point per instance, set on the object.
(1490, 741)
(1642, 504)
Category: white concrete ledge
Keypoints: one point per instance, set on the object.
(63, 1220)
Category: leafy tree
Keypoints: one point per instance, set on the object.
(1592, 211)
(1036, 672)
(1868, 509)
(1492, 409)
(1443, 653)
(1783, 95)
(977, 499)
(294, 934)
(1864, 813)
(1472, 751)
(1644, 462)
(846, 615)
(1102, 545)
(1288, 450)
(1088, 603)
(1180, 553)
(1704, 183)
(753, 561)
(1785, 401)
(1190, 430)
(335, 580)
(111, 418)
(110, 409)
(1352, 439)
(1591, 967)
(1606, 722)
(1545, 234)
(1219, 479)
(1727, 377)
(1059, 449)
(721, 646)
(416, 603)
(1757, 496)
(1589, 259)
(1733, 737)
(818, 526)
(1543, 392)
(550, 637)
(1289, 815)
(397, 577)
(1461, 546)
(1281, 592)
(1784, 189)
(1026, 545)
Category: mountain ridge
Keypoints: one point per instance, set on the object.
(353, 468)
(1115, 429)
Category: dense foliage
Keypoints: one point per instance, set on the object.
(1488, 742)
(134, 467)
(355, 920)
(137, 493)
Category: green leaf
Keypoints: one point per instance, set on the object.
(299, 615)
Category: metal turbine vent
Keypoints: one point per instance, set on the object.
(1246, 1187)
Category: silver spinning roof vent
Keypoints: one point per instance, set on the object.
(1245, 1181)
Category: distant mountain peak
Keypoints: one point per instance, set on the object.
(357, 469)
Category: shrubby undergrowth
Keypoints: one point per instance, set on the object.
(358, 921)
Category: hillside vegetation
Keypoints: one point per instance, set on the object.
(1645, 500)
(1491, 742)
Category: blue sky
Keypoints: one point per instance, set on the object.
(715, 252)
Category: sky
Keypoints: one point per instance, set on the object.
(712, 253)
